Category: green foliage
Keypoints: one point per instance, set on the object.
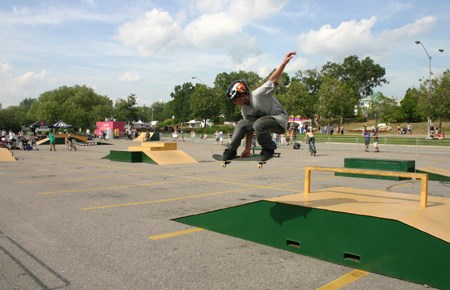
(298, 101)
(434, 97)
(79, 106)
(381, 107)
(410, 108)
(336, 98)
(126, 110)
(12, 118)
(361, 76)
(204, 103)
(180, 102)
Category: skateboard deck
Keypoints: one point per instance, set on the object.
(255, 158)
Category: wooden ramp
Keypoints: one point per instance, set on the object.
(381, 204)
(435, 173)
(406, 236)
(43, 141)
(169, 157)
(381, 232)
(141, 137)
(161, 153)
(6, 156)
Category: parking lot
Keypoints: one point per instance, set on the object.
(72, 220)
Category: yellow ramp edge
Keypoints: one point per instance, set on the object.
(154, 146)
(170, 157)
(141, 137)
(390, 205)
(40, 142)
(436, 170)
(6, 156)
(160, 145)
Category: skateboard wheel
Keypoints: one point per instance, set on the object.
(224, 165)
(260, 166)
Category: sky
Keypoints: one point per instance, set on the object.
(146, 47)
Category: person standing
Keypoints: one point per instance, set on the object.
(375, 140)
(311, 140)
(52, 140)
(366, 136)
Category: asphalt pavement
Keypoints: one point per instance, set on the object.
(73, 220)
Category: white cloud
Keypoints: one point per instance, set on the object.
(52, 15)
(221, 25)
(359, 38)
(130, 76)
(4, 68)
(349, 37)
(212, 30)
(20, 85)
(152, 34)
(420, 26)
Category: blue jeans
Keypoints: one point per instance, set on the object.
(264, 127)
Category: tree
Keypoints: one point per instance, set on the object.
(126, 110)
(180, 102)
(77, 105)
(12, 118)
(434, 97)
(312, 79)
(336, 99)
(159, 111)
(204, 103)
(380, 106)
(298, 101)
(362, 76)
(409, 106)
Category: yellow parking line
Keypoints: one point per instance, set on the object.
(103, 188)
(344, 280)
(174, 234)
(164, 200)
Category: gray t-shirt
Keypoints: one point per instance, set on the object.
(263, 103)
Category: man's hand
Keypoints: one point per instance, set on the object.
(277, 73)
(246, 153)
(289, 56)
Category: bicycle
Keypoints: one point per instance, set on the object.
(71, 146)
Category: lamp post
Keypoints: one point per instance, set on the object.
(429, 74)
(198, 80)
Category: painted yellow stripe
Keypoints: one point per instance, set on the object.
(104, 188)
(175, 234)
(164, 200)
(344, 280)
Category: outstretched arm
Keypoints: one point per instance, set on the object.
(277, 73)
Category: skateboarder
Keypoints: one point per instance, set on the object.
(262, 114)
(311, 140)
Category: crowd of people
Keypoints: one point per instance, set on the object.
(18, 141)
(28, 141)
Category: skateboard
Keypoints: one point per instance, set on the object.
(257, 158)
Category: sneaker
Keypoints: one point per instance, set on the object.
(229, 154)
(266, 154)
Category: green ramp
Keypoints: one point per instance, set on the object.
(384, 246)
(378, 164)
(436, 174)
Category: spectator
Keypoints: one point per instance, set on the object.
(52, 141)
(366, 136)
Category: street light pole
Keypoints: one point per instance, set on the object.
(429, 75)
(198, 80)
